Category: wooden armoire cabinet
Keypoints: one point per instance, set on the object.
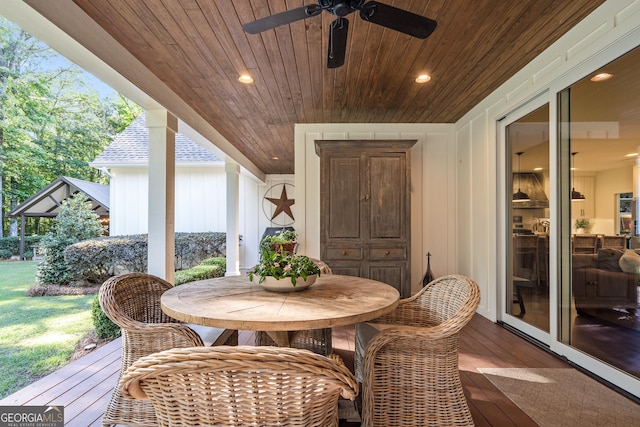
(365, 209)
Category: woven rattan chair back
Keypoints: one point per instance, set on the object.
(241, 386)
(132, 301)
(409, 369)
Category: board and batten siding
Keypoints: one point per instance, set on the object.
(433, 184)
(200, 197)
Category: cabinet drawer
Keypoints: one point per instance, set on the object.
(343, 253)
(387, 253)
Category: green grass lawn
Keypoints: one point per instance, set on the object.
(37, 334)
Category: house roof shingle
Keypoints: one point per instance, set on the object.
(131, 146)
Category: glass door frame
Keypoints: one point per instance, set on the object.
(504, 227)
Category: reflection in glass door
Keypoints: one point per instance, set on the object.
(598, 144)
(527, 148)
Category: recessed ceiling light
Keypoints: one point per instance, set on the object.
(600, 77)
(275, 158)
(423, 78)
(246, 79)
(631, 155)
(537, 169)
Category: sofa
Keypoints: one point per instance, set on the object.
(599, 280)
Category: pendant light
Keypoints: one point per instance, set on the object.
(575, 195)
(519, 196)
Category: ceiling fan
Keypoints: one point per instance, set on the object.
(378, 13)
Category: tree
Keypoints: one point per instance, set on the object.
(75, 222)
(52, 122)
(17, 48)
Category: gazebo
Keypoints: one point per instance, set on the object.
(46, 202)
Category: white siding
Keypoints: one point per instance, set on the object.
(604, 35)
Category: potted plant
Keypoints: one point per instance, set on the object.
(284, 271)
(581, 225)
(283, 241)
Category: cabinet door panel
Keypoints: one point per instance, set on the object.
(393, 275)
(344, 198)
(386, 204)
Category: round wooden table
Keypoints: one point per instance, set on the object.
(234, 302)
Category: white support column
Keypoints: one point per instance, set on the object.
(162, 158)
(233, 219)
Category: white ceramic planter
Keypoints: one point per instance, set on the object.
(284, 285)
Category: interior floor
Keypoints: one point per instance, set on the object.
(612, 336)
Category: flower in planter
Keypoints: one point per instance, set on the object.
(280, 264)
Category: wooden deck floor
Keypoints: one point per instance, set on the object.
(84, 386)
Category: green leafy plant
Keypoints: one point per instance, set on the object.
(581, 223)
(283, 264)
(103, 326)
(278, 240)
(75, 222)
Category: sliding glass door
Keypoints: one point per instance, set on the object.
(598, 142)
(570, 244)
(526, 293)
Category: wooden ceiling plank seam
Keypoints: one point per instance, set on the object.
(301, 59)
(481, 89)
(417, 67)
(376, 44)
(468, 62)
(441, 53)
(109, 14)
(480, 36)
(281, 50)
(291, 83)
(176, 22)
(265, 47)
(263, 88)
(520, 45)
(316, 58)
(231, 17)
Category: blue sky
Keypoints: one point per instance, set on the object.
(58, 61)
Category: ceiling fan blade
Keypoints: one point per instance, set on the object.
(398, 19)
(282, 18)
(337, 42)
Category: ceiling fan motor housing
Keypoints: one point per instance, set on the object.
(340, 8)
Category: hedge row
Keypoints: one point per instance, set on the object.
(94, 261)
(10, 246)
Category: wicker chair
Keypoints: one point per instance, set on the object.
(240, 386)
(132, 301)
(409, 365)
(317, 340)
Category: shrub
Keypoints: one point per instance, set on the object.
(104, 327)
(76, 221)
(199, 272)
(11, 245)
(219, 261)
(96, 260)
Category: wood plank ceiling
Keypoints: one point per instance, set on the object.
(198, 48)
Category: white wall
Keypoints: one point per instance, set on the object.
(200, 204)
(604, 35)
(433, 183)
(200, 200)
(607, 184)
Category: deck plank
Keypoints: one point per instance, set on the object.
(84, 386)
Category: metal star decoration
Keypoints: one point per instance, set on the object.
(283, 204)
